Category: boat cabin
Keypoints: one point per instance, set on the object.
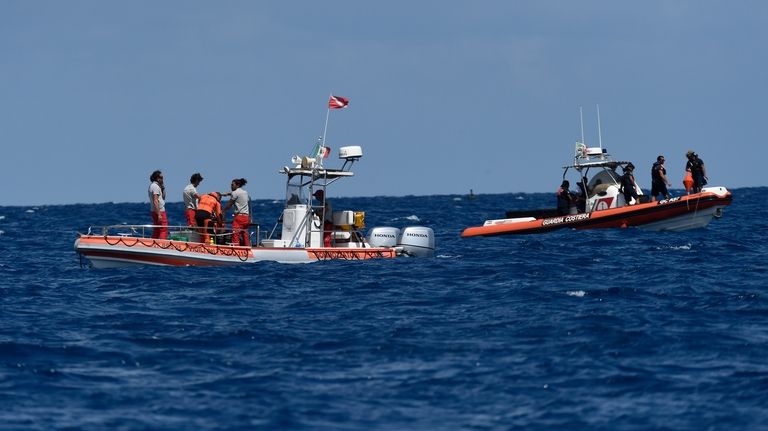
(598, 180)
(307, 219)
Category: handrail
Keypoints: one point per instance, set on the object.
(145, 230)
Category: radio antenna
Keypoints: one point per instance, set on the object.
(599, 129)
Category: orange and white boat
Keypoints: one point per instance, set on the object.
(303, 236)
(605, 207)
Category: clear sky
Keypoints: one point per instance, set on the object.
(445, 96)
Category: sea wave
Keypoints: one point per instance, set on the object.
(598, 329)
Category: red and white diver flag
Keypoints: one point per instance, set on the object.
(337, 102)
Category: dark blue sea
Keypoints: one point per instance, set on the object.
(596, 330)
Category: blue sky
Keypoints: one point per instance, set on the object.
(445, 96)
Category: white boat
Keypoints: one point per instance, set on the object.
(299, 236)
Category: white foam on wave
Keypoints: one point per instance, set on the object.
(2, 217)
(30, 211)
(409, 218)
(576, 293)
(2, 232)
(675, 247)
(457, 199)
(448, 256)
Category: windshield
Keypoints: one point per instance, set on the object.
(294, 194)
(606, 176)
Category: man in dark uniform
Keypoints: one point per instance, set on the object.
(581, 197)
(628, 184)
(696, 167)
(564, 198)
(659, 180)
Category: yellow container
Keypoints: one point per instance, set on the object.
(359, 219)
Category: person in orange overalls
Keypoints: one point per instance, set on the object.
(208, 214)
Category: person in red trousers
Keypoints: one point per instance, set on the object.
(157, 203)
(242, 216)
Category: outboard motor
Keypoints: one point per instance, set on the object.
(417, 241)
(383, 236)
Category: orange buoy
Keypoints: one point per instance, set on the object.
(688, 182)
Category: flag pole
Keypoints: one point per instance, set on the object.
(327, 114)
(325, 129)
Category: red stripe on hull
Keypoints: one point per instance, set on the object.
(156, 259)
(161, 252)
(351, 253)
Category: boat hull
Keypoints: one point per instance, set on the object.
(675, 214)
(121, 251)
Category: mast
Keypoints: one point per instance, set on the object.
(599, 129)
(325, 129)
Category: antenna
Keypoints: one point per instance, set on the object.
(599, 130)
(581, 121)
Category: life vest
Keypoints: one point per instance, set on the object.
(627, 184)
(696, 166)
(657, 170)
(563, 198)
(210, 204)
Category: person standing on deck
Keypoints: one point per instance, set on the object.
(696, 167)
(565, 198)
(659, 180)
(242, 217)
(628, 185)
(191, 198)
(157, 205)
(326, 215)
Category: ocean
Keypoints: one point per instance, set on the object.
(618, 329)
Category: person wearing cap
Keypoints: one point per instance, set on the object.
(191, 197)
(326, 215)
(696, 167)
(208, 214)
(628, 184)
(659, 180)
(565, 198)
